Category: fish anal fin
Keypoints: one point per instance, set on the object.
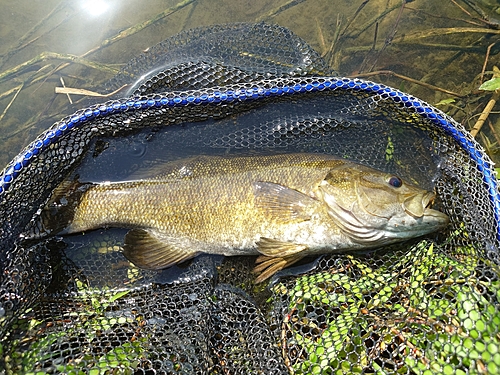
(274, 248)
(154, 252)
(283, 203)
(267, 266)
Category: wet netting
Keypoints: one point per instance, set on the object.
(75, 305)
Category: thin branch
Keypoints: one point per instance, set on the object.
(390, 36)
(349, 22)
(73, 91)
(64, 86)
(446, 31)
(19, 88)
(141, 26)
(484, 115)
(57, 56)
(494, 132)
(273, 13)
(486, 58)
(412, 80)
(370, 23)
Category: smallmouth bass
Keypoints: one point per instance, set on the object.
(281, 207)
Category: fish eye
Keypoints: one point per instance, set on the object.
(395, 182)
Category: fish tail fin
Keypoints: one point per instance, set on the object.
(60, 210)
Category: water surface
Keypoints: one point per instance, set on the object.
(85, 42)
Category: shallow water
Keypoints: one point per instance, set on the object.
(425, 40)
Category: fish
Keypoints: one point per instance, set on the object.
(281, 207)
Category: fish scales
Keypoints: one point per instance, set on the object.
(211, 202)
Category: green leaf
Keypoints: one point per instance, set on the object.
(445, 102)
(119, 295)
(491, 85)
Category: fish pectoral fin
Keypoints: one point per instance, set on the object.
(151, 252)
(275, 248)
(267, 266)
(283, 203)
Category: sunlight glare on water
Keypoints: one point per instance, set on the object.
(95, 7)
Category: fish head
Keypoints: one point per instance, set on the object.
(374, 208)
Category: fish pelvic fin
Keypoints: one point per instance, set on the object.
(267, 266)
(274, 248)
(282, 203)
(58, 214)
(150, 251)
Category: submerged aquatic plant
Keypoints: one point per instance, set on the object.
(418, 312)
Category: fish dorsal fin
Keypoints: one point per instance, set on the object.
(268, 266)
(153, 252)
(283, 203)
(275, 248)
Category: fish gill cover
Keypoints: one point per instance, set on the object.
(75, 305)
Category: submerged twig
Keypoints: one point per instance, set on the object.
(494, 132)
(19, 88)
(370, 51)
(324, 48)
(446, 31)
(57, 56)
(330, 56)
(462, 8)
(494, 98)
(370, 23)
(138, 27)
(349, 22)
(442, 18)
(412, 80)
(278, 10)
(484, 17)
(484, 115)
(73, 91)
(419, 45)
(486, 58)
(390, 36)
(9, 92)
(64, 86)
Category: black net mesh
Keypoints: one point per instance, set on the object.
(75, 305)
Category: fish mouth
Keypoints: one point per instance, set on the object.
(417, 205)
(437, 217)
(428, 199)
(428, 202)
(420, 207)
